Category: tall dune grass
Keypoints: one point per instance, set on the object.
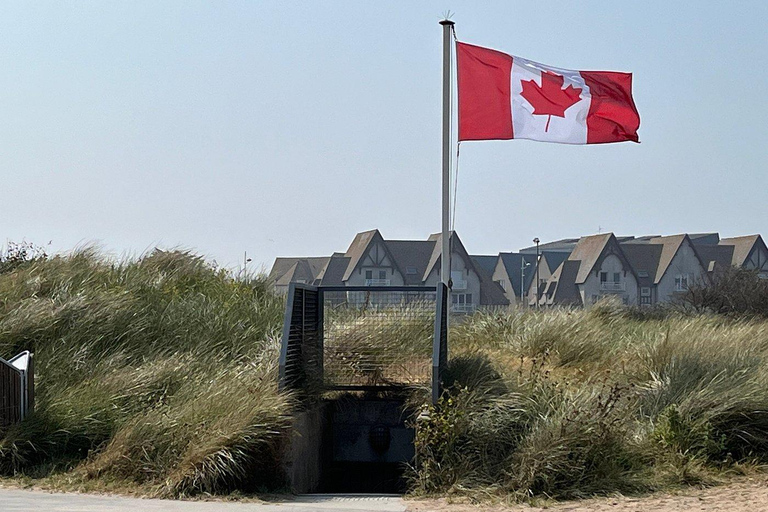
(569, 403)
(158, 371)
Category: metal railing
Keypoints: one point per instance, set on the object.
(613, 286)
(377, 282)
(364, 338)
(17, 389)
(459, 285)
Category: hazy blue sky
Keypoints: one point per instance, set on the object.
(283, 128)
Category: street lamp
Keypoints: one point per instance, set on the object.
(523, 265)
(538, 279)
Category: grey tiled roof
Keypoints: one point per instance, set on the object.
(742, 247)
(412, 258)
(487, 263)
(513, 265)
(588, 251)
(644, 258)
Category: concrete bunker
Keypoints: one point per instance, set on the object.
(355, 356)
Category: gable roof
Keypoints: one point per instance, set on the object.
(704, 238)
(553, 259)
(280, 267)
(359, 248)
(643, 258)
(299, 271)
(456, 247)
(333, 274)
(513, 268)
(562, 245)
(742, 247)
(588, 251)
(309, 268)
(716, 257)
(491, 292)
(670, 247)
(561, 288)
(485, 263)
(411, 254)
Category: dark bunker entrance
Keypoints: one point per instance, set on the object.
(357, 357)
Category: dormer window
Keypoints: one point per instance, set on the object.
(642, 273)
(369, 274)
(411, 271)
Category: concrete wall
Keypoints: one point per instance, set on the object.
(610, 264)
(308, 448)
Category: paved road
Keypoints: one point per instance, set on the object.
(13, 500)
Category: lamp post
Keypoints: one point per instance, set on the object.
(538, 280)
(523, 265)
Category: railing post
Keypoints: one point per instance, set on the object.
(440, 341)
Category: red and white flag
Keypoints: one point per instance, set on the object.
(507, 97)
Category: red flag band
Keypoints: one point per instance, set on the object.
(506, 97)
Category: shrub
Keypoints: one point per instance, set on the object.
(734, 292)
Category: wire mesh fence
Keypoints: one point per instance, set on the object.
(377, 338)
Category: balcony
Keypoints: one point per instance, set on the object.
(613, 286)
(377, 282)
(462, 308)
(459, 285)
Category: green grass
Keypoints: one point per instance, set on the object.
(158, 375)
(573, 403)
(157, 372)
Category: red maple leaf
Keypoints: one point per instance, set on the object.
(550, 99)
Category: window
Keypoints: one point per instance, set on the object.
(503, 283)
(681, 282)
(411, 271)
(625, 300)
(645, 301)
(382, 274)
(369, 274)
(642, 273)
(595, 298)
(616, 277)
(462, 302)
(603, 277)
(645, 291)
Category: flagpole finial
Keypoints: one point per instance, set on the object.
(447, 22)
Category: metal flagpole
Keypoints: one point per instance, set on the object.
(445, 261)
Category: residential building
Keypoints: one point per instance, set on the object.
(514, 272)
(371, 260)
(643, 270)
(748, 252)
(596, 267)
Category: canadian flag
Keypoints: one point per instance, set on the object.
(507, 97)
